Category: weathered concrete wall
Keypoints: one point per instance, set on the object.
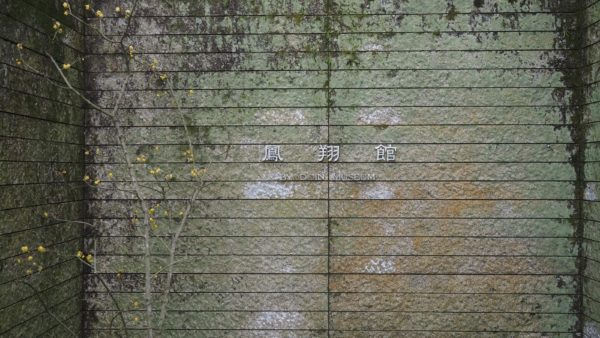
(41, 135)
(472, 231)
(591, 215)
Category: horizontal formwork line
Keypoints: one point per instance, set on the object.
(333, 107)
(74, 68)
(44, 34)
(332, 163)
(40, 161)
(548, 274)
(103, 254)
(43, 291)
(53, 224)
(342, 217)
(45, 269)
(337, 292)
(338, 33)
(588, 258)
(43, 119)
(591, 298)
(341, 236)
(42, 97)
(320, 143)
(191, 255)
(374, 125)
(349, 51)
(323, 15)
(22, 138)
(56, 81)
(321, 88)
(46, 14)
(46, 245)
(296, 181)
(321, 330)
(272, 70)
(78, 330)
(43, 312)
(345, 199)
(42, 205)
(330, 311)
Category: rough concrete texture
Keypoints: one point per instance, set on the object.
(486, 224)
(41, 153)
(474, 231)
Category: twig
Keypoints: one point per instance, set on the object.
(37, 294)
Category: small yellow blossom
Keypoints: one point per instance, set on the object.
(79, 254)
(19, 45)
(41, 249)
(45, 214)
(99, 14)
(142, 158)
(56, 25)
(151, 211)
(29, 258)
(29, 271)
(86, 152)
(110, 174)
(190, 92)
(65, 4)
(66, 12)
(97, 181)
(118, 9)
(19, 260)
(87, 7)
(131, 51)
(127, 12)
(197, 172)
(24, 249)
(154, 64)
(136, 318)
(166, 213)
(64, 172)
(66, 66)
(169, 177)
(89, 258)
(136, 304)
(86, 178)
(163, 77)
(18, 61)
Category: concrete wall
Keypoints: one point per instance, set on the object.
(474, 229)
(591, 233)
(41, 135)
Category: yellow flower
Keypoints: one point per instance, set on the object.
(97, 181)
(66, 12)
(19, 45)
(99, 14)
(190, 92)
(154, 64)
(30, 258)
(45, 214)
(66, 66)
(41, 249)
(163, 77)
(86, 178)
(118, 9)
(79, 254)
(127, 13)
(18, 61)
(87, 7)
(24, 249)
(136, 303)
(65, 4)
(56, 25)
(19, 260)
(89, 258)
(196, 172)
(110, 174)
(151, 211)
(169, 177)
(142, 158)
(136, 318)
(29, 271)
(131, 51)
